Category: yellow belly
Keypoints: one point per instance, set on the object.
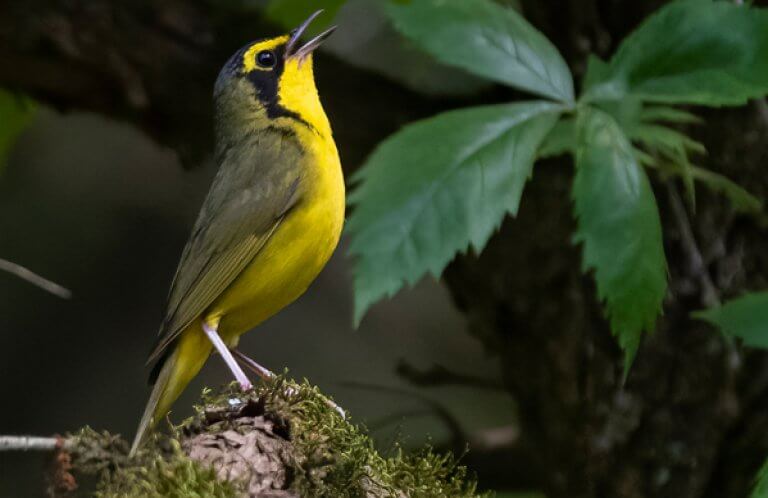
(293, 256)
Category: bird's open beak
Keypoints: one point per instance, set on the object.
(292, 49)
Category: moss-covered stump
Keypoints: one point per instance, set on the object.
(280, 440)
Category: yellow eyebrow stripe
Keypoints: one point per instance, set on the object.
(249, 57)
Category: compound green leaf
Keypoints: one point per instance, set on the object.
(745, 317)
(689, 52)
(619, 227)
(560, 140)
(438, 187)
(661, 144)
(487, 39)
(674, 147)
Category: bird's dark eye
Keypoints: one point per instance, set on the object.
(265, 58)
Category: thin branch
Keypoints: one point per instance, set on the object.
(28, 443)
(34, 279)
(710, 295)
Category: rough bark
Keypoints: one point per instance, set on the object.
(691, 419)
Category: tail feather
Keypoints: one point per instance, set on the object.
(158, 366)
(159, 402)
(174, 371)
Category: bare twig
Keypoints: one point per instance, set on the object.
(709, 294)
(28, 443)
(34, 279)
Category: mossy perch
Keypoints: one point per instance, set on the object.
(281, 440)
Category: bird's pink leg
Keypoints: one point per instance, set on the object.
(215, 339)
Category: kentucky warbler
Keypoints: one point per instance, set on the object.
(270, 222)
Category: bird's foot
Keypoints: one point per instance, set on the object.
(245, 386)
(265, 373)
(252, 365)
(336, 407)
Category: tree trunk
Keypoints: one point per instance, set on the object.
(690, 420)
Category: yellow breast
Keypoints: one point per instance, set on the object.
(296, 252)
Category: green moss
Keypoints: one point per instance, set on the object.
(324, 454)
(171, 476)
(335, 458)
(97, 453)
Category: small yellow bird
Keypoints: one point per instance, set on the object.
(270, 222)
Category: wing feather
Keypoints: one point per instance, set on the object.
(256, 186)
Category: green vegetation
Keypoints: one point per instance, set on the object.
(417, 204)
(745, 318)
(414, 222)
